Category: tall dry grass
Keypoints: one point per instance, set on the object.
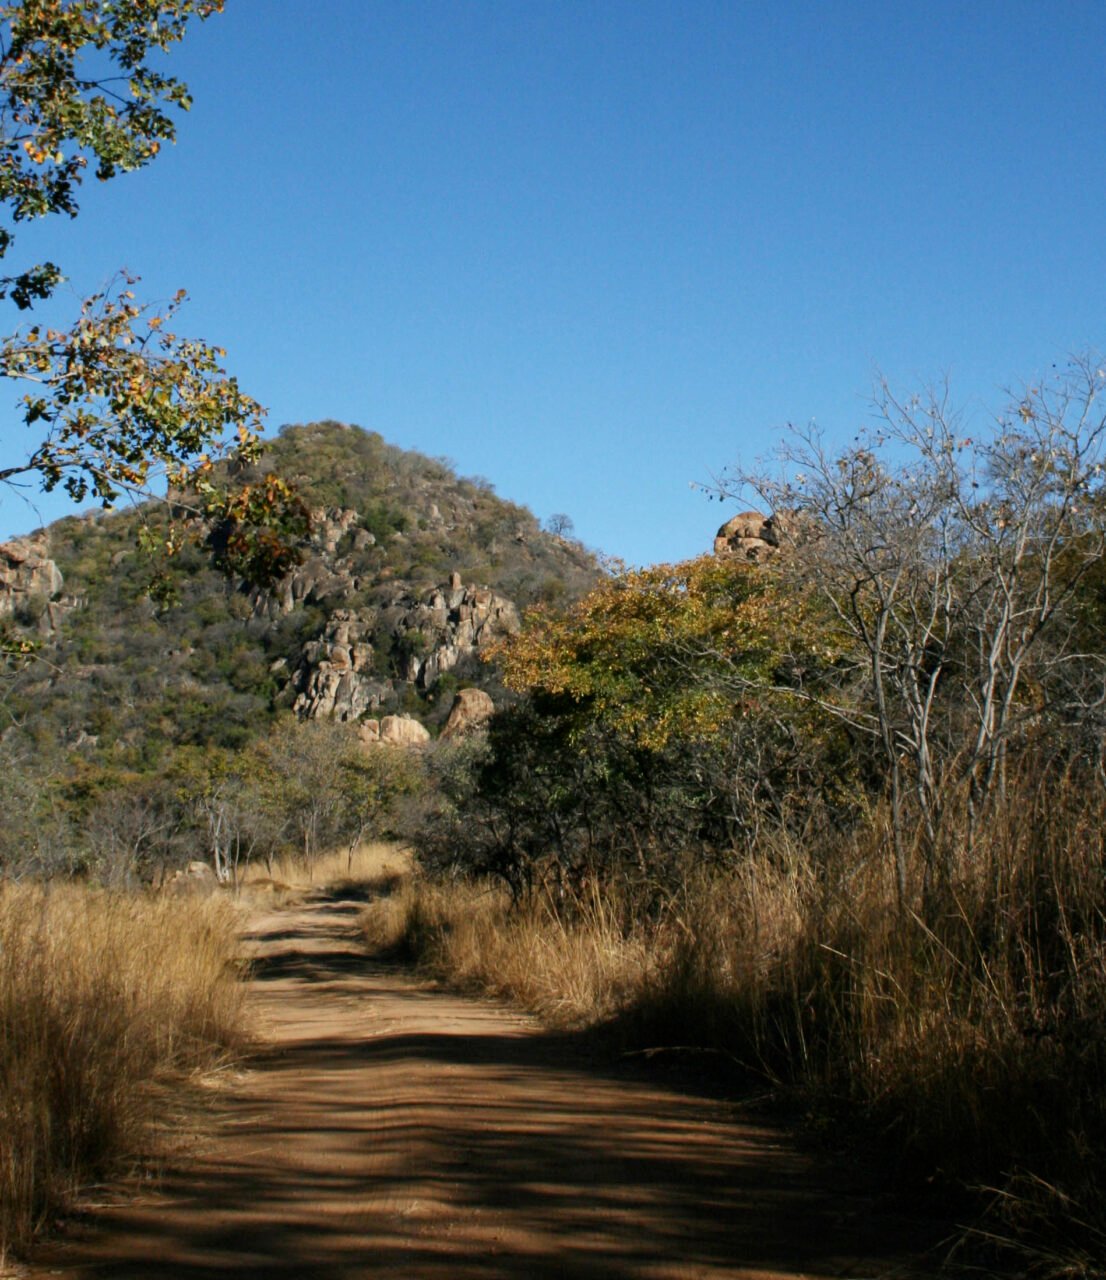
(368, 863)
(108, 1001)
(571, 969)
(966, 1046)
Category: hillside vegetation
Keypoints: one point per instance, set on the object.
(144, 709)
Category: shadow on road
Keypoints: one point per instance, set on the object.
(410, 1133)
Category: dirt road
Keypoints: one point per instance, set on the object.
(389, 1129)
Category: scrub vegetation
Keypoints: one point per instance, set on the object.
(140, 734)
(834, 818)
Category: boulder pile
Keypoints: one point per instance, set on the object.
(26, 573)
(363, 654)
(750, 536)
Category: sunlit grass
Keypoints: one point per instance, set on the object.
(367, 863)
(108, 1002)
(571, 970)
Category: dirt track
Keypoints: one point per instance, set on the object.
(391, 1129)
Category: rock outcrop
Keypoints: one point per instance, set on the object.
(471, 709)
(455, 623)
(749, 536)
(326, 575)
(365, 655)
(336, 679)
(29, 579)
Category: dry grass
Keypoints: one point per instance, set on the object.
(108, 1002)
(571, 970)
(373, 862)
(969, 1045)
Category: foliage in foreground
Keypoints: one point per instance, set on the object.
(653, 718)
(115, 399)
(932, 618)
(108, 1003)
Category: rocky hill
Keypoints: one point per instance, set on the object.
(411, 573)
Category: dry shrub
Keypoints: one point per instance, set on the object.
(107, 1001)
(968, 1040)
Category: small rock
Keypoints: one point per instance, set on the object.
(403, 731)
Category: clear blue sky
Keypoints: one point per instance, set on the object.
(595, 251)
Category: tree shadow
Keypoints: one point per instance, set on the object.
(478, 1153)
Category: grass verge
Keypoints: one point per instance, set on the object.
(571, 971)
(108, 1002)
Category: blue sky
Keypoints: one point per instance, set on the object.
(597, 251)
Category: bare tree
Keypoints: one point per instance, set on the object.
(947, 565)
(560, 525)
(131, 833)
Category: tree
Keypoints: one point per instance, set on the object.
(949, 567)
(371, 782)
(118, 397)
(653, 720)
(646, 651)
(326, 786)
(37, 836)
(133, 831)
(560, 525)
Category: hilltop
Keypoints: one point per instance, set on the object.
(410, 571)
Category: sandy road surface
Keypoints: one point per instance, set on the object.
(388, 1129)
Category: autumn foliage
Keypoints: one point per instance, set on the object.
(656, 720)
(655, 654)
(118, 400)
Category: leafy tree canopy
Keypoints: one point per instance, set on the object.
(658, 653)
(118, 397)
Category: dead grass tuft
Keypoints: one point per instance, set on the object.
(571, 970)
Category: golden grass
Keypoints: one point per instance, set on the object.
(108, 1002)
(570, 970)
(370, 862)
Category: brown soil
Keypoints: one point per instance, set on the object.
(389, 1128)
